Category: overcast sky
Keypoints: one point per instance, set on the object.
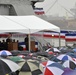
(57, 7)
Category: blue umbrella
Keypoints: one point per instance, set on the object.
(71, 54)
(54, 58)
(74, 49)
(5, 53)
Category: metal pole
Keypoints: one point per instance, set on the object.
(59, 41)
(53, 40)
(29, 41)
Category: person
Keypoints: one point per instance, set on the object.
(4, 45)
(20, 48)
(1, 46)
(8, 40)
(26, 40)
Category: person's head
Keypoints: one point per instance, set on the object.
(9, 35)
(3, 40)
(27, 35)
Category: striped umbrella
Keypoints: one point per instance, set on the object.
(51, 68)
(68, 71)
(7, 66)
(70, 64)
(5, 53)
(30, 67)
(64, 57)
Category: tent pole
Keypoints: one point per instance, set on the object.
(29, 41)
(59, 41)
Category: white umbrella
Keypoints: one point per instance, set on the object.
(64, 57)
(56, 50)
(5, 53)
(12, 65)
(69, 64)
(52, 49)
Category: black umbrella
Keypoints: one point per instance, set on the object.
(30, 67)
(7, 66)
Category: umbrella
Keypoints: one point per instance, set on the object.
(15, 52)
(22, 56)
(16, 59)
(70, 64)
(5, 53)
(7, 66)
(50, 52)
(30, 67)
(74, 59)
(71, 54)
(54, 58)
(74, 49)
(56, 50)
(42, 58)
(68, 71)
(64, 57)
(51, 68)
(45, 54)
(53, 49)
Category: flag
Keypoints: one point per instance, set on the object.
(22, 44)
(39, 11)
(70, 37)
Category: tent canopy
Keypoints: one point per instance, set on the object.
(25, 24)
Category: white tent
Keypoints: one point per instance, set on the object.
(25, 24)
(7, 25)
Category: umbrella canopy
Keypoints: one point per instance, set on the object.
(70, 64)
(64, 57)
(56, 50)
(22, 56)
(7, 66)
(54, 58)
(50, 52)
(30, 67)
(71, 54)
(15, 52)
(16, 59)
(42, 58)
(53, 49)
(68, 71)
(5, 53)
(74, 49)
(51, 68)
